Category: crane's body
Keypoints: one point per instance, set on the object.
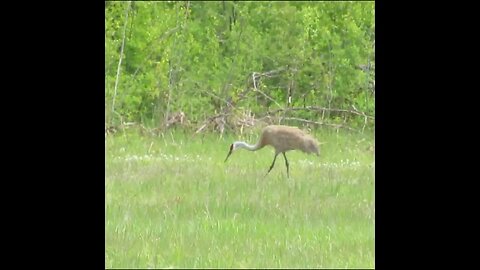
(283, 139)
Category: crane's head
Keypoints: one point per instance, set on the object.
(234, 146)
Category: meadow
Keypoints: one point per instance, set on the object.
(172, 202)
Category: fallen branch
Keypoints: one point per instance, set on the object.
(316, 108)
(209, 120)
(318, 123)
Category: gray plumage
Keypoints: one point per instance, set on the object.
(283, 139)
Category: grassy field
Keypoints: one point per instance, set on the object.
(171, 201)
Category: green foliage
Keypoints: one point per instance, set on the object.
(194, 56)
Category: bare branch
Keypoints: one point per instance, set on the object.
(170, 77)
(211, 119)
(261, 92)
(316, 108)
(216, 97)
(318, 123)
(121, 55)
(272, 73)
(268, 97)
(201, 128)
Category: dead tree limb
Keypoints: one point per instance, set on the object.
(217, 97)
(254, 78)
(317, 108)
(337, 126)
(171, 82)
(209, 120)
(271, 73)
(121, 55)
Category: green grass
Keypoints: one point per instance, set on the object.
(172, 202)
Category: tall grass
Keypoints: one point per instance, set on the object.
(172, 201)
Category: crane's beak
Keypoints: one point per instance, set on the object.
(229, 153)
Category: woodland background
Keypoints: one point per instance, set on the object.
(223, 66)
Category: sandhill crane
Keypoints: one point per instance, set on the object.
(283, 139)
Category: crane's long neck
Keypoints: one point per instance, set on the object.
(247, 146)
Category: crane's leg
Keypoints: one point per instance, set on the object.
(286, 163)
(273, 163)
